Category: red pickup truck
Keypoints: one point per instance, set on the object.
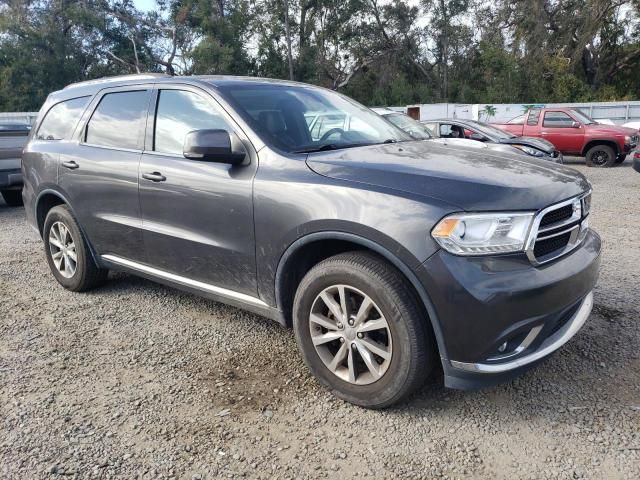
(574, 133)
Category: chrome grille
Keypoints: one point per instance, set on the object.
(558, 229)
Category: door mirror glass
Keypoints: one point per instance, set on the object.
(575, 124)
(214, 146)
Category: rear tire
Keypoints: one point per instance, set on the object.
(68, 254)
(601, 156)
(13, 198)
(387, 354)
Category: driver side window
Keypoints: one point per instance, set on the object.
(179, 112)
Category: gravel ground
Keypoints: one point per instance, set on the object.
(136, 380)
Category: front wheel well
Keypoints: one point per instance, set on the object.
(608, 143)
(45, 203)
(298, 263)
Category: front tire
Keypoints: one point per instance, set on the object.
(68, 254)
(601, 156)
(362, 331)
(621, 158)
(13, 198)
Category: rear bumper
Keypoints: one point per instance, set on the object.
(11, 179)
(500, 316)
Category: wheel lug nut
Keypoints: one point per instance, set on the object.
(339, 325)
(341, 339)
(360, 335)
(351, 322)
(354, 346)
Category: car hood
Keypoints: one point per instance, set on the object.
(598, 128)
(464, 178)
(538, 143)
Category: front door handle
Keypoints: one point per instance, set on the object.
(71, 165)
(154, 176)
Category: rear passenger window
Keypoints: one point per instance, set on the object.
(534, 116)
(61, 119)
(119, 120)
(180, 112)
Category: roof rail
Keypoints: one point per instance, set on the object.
(135, 76)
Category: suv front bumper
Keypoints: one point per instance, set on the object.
(500, 315)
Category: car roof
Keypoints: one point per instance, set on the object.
(90, 87)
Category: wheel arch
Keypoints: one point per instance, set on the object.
(307, 251)
(48, 199)
(609, 143)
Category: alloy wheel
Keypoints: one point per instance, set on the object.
(600, 157)
(63, 250)
(350, 334)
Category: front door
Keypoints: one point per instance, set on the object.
(197, 216)
(563, 131)
(99, 171)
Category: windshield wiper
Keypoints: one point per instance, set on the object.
(330, 146)
(321, 148)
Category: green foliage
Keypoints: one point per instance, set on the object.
(379, 52)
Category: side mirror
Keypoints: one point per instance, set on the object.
(575, 125)
(217, 146)
(476, 136)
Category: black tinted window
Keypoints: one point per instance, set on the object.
(534, 116)
(557, 119)
(61, 119)
(178, 113)
(118, 121)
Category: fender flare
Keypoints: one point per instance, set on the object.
(383, 252)
(50, 191)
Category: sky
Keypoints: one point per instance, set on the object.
(145, 5)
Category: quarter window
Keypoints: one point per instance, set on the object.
(180, 112)
(534, 116)
(61, 119)
(557, 120)
(119, 120)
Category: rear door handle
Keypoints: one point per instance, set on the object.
(70, 165)
(154, 176)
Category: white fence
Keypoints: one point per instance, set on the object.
(18, 117)
(617, 112)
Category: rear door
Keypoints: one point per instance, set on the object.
(563, 131)
(197, 216)
(99, 172)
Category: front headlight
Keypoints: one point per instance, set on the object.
(483, 233)
(530, 151)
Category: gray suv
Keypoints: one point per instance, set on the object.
(387, 256)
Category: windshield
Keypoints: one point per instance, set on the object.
(490, 131)
(582, 118)
(409, 125)
(302, 119)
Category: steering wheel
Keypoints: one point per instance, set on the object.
(330, 132)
